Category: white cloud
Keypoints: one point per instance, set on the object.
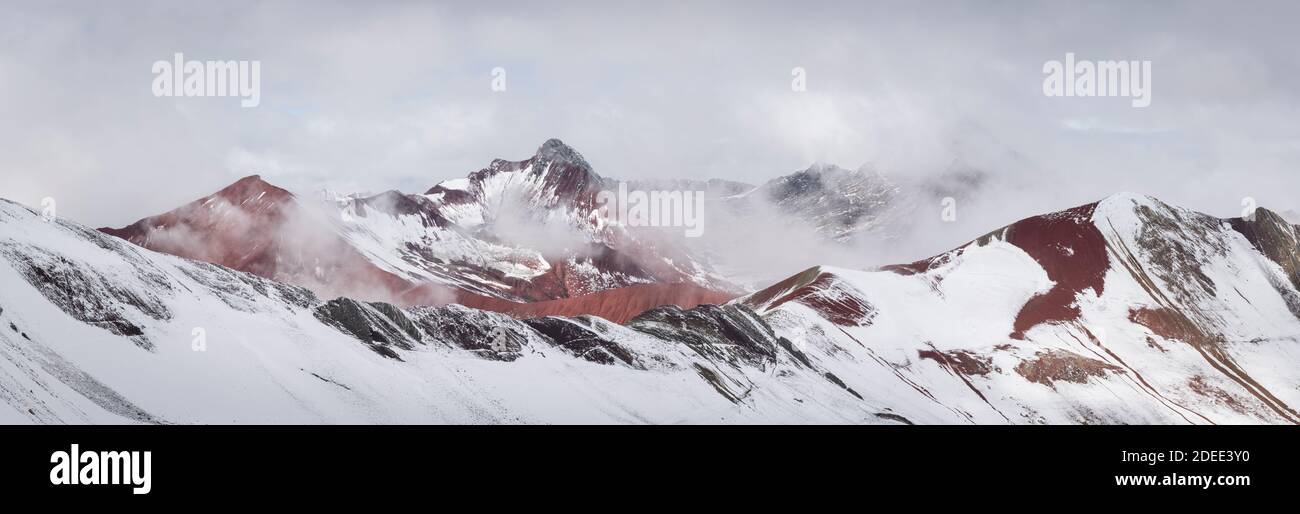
(387, 96)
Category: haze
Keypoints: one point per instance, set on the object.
(397, 96)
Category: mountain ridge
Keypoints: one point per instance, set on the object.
(1191, 322)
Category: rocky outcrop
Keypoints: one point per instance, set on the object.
(91, 296)
(732, 334)
(1274, 237)
(380, 326)
(616, 305)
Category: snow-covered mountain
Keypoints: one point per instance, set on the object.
(533, 231)
(854, 206)
(836, 203)
(520, 233)
(826, 214)
(1123, 311)
(97, 330)
(512, 233)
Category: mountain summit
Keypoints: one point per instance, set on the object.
(555, 151)
(515, 232)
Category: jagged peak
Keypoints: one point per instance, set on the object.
(552, 154)
(554, 150)
(1265, 220)
(563, 169)
(820, 177)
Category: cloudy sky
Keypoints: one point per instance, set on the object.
(392, 95)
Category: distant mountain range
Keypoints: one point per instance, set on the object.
(513, 233)
(505, 297)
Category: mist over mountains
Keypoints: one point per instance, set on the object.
(508, 297)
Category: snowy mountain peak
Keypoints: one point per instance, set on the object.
(555, 151)
(839, 203)
(819, 178)
(1125, 200)
(556, 170)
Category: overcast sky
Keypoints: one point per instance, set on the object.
(386, 95)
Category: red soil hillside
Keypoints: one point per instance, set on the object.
(259, 228)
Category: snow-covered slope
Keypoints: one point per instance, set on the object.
(96, 330)
(1124, 311)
